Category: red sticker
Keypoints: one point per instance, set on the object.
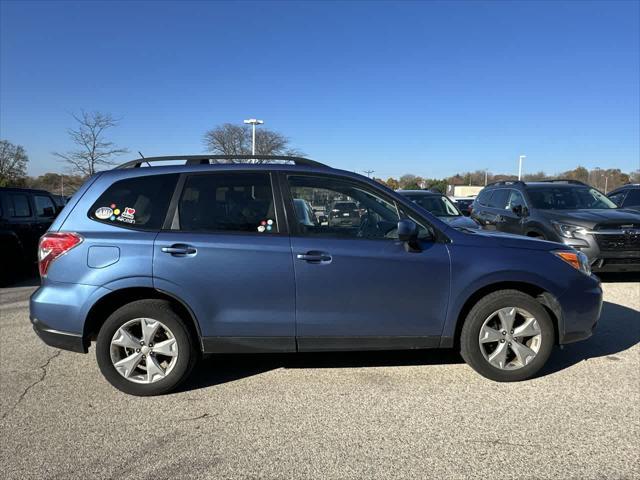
(113, 205)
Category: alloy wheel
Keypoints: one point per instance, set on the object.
(510, 338)
(144, 350)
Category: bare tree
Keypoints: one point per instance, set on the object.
(94, 150)
(229, 139)
(13, 163)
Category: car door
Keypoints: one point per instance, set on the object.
(480, 209)
(227, 255)
(495, 212)
(512, 217)
(21, 218)
(359, 288)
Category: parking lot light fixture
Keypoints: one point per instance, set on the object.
(522, 157)
(253, 122)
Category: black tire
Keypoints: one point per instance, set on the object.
(162, 311)
(469, 338)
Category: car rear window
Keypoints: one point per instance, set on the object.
(139, 203)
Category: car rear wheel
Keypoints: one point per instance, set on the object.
(144, 348)
(507, 336)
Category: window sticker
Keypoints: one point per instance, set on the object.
(103, 213)
(127, 215)
(265, 225)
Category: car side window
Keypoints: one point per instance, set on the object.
(483, 197)
(346, 209)
(516, 200)
(499, 198)
(228, 202)
(633, 197)
(44, 206)
(19, 206)
(139, 203)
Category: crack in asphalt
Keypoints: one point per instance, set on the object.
(42, 367)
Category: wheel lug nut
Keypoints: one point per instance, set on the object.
(151, 344)
(502, 340)
(137, 350)
(504, 332)
(509, 343)
(511, 332)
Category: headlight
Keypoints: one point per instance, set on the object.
(568, 231)
(577, 260)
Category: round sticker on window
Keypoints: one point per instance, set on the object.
(103, 213)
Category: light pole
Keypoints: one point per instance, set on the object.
(253, 122)
(368, 172)
(522, 157)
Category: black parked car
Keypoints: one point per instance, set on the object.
(627, 196)
(25, 215)
(441, 207)
(344, 213)
(566, 211)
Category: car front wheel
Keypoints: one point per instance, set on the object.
(144, 348)
(507, 336)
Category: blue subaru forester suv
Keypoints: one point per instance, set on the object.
(159, 264)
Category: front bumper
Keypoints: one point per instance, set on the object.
(578, 310)
(605, 258)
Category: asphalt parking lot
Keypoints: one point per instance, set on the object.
(419, 414)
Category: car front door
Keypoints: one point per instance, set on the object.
(227, 255)
(357, 286)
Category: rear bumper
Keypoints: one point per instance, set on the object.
(58, 312)
(58, 339)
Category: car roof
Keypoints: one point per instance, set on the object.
(24, 190)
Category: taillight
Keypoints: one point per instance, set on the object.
(53, 245)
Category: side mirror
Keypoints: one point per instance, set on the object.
(519, 210)
(408, 233)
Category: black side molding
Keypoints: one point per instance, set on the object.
(58, 339)
(248, 344)
(327, 344)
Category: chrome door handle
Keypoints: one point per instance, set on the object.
(315, 257)
(179, 250)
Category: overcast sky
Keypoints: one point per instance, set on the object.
(430, 88)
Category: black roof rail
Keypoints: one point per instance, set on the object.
(505, 182)
(207, 160)
(564, 180)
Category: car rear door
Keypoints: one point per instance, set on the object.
(511, 221)
(494, 214)
(21, 219)
(360, 288)
(226, 253)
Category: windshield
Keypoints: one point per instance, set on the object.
(564, 198)
(439, 205)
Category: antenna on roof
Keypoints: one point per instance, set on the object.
(142, 156)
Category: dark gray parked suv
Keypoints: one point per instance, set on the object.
(566, 211)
